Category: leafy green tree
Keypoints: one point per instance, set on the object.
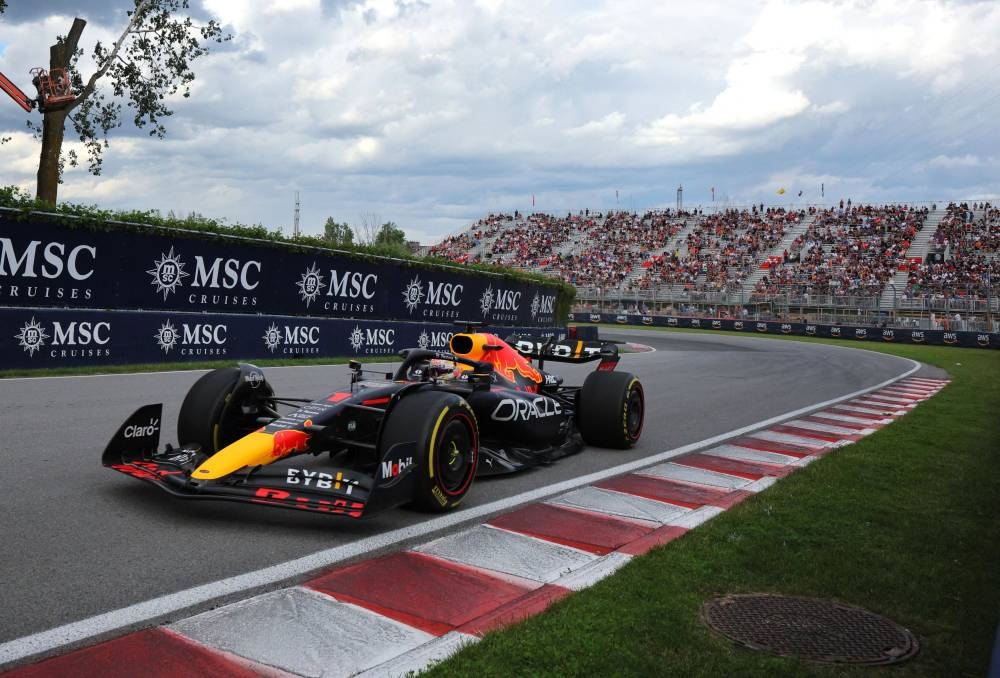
(390, 235)
(338, 235)
(150, 61)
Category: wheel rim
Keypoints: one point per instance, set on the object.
(635, 413)
(456, 456)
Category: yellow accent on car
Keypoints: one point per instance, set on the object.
(254, 449)
(433, 442)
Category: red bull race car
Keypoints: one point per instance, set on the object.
(419, 435)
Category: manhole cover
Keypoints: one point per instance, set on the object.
(817, 630)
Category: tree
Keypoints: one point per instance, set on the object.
(391, 235)
(338, 235)
(150, 61)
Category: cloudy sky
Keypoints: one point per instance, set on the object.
(433, 113)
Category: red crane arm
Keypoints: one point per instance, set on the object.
(15, 93)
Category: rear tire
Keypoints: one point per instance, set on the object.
(447, 437)
(211, 417)
(610, 409)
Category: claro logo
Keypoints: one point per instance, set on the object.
(135, 431)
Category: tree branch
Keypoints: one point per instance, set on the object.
(88, 89)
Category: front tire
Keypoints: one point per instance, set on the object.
(214, 414)
(447, 437)
(611, 409)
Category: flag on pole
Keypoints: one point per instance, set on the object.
(822, 190)
(616, 196)
(713, 193)
(532, 199)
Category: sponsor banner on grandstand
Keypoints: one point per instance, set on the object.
(49, 265)
(848, 332)
(47, 338)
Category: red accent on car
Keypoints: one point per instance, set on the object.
(376, 401)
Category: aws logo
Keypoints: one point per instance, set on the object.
(811, 330)
(951, 338)
(786, 328)
(983, 340)
(762, 327)
(672, 322)
(917, 337)
(860, 333)
(738, 325)
(695, 322)
(888, 335)
(716, 324)
(647, 320)
(835, 332)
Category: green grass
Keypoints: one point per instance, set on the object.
(903, 523)
(167, 367)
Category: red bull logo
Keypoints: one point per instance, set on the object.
(289, 441)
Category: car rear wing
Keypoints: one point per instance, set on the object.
(567, 351)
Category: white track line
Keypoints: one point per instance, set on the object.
(140, 614)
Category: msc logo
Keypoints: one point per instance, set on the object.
(445, 296)
(374, 340)
(352, 285)
(433, 339)
(542, 304)
(77, 263)
(79, 336)
(195, 339)
(500, 301)
(168, 275)
(297, 339)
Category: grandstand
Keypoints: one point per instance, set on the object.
(922, 265)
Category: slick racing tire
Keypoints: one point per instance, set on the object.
(214, 414)
(610, 409)
(447, 436)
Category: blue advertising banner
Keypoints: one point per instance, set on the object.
(45, 264)
(852, 332)
(48, 338)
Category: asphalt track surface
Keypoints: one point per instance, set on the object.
(80, 540)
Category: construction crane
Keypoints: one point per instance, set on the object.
(53, 86)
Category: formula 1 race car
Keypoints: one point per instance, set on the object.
(416, 436)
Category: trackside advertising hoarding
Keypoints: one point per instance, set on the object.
(848, 332)
(49, 338)
(45, 264)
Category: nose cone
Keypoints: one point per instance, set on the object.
(256, 449)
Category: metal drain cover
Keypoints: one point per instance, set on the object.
(807, 628)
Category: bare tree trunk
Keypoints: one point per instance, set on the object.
(53, 128)
(54, 122)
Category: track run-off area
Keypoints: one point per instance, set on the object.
(91, 555)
